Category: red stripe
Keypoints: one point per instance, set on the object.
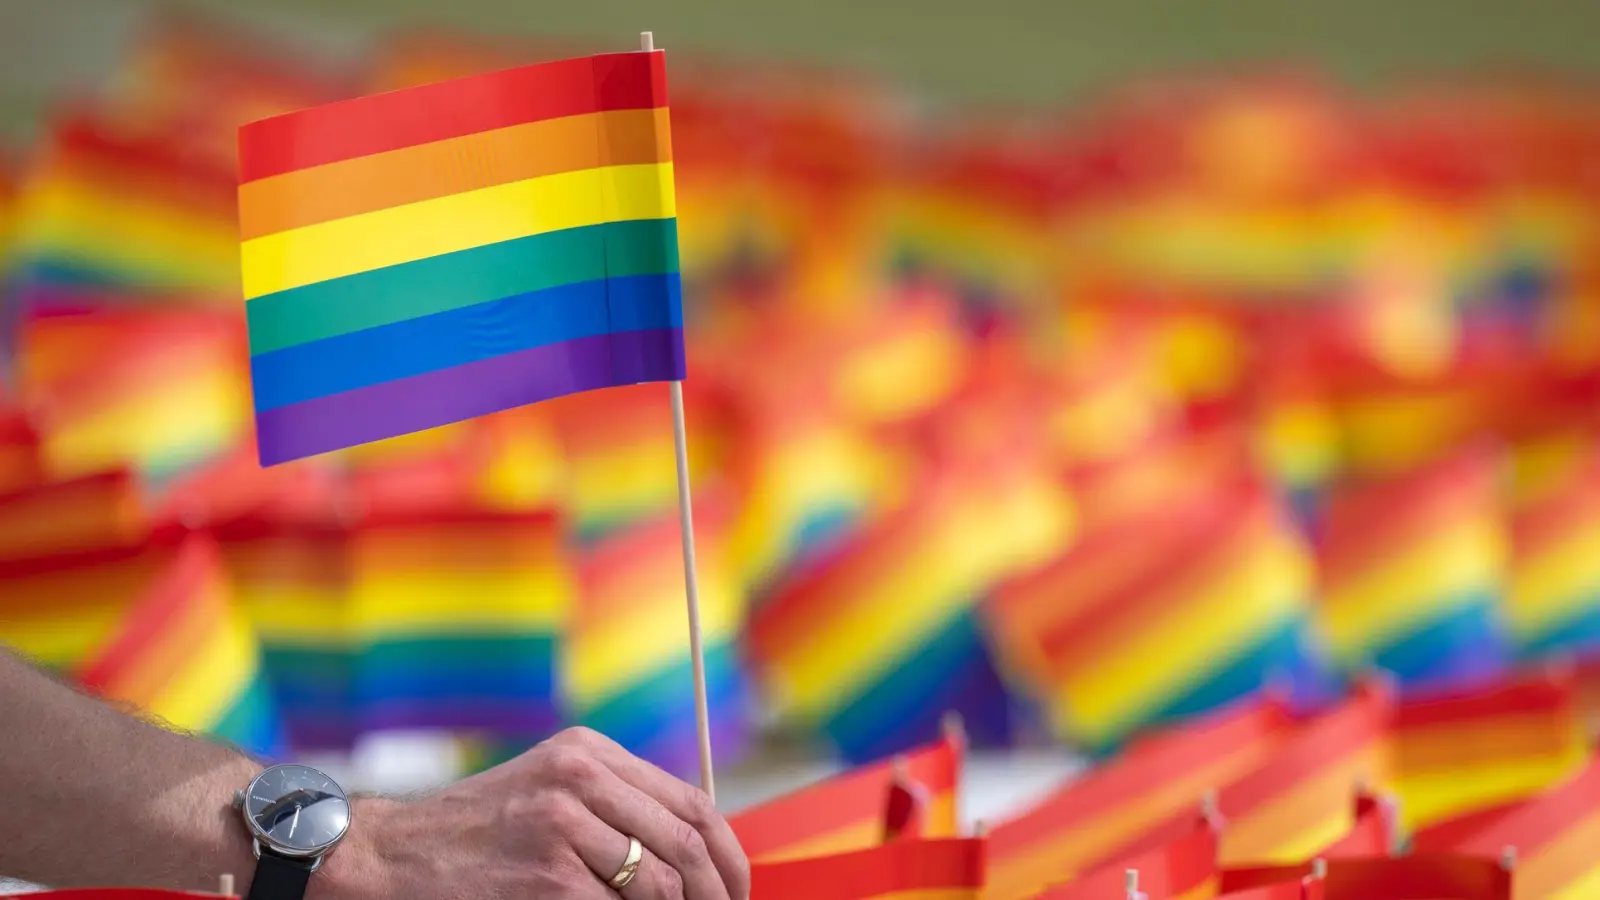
(1375, 522)
(157, 612)
(901, 866)
(1518, 701)
(436, 112)
(1460, 877)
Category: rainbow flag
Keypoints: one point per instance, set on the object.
(1552, 602)
(875, 643)
(57, 518)
(109, 211)
(1177, 862)
(392, 288)
(1298, 800)
(1374, 831)
(1475, 748)
(159, 389)
(291, 567)
(846, 812)
(1551, 836)
(1411, 572)
(1377, 877)
(934, 869)
(1104, 814)
(625, 668)
(60, 608)
(1216, 589)
(456, 613)
(185, 654)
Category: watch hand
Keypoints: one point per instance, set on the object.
(294, 823)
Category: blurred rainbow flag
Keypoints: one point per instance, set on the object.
(942, 868)
(183, 653)
(1177, 860)
(1552, 602)
(876, 642)
(456, 613)
(847, 811)
(1112, 807)
(1216, 589)
(109, 208)
(625, 667)
(1468, 750)
(160, 390)
(1411, 574)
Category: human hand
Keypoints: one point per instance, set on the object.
(552, 824)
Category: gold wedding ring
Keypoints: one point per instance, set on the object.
(630, 866)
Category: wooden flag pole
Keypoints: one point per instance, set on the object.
(691, 580)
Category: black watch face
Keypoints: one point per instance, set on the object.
(297, 810)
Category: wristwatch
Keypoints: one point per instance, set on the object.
(296, 816)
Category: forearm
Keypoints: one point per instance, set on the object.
(94, 795)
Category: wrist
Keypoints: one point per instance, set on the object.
(355, 869)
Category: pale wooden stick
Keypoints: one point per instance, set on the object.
(691, 581)
(1508, 858)
(1130, 883)
(225, 884)
(1319, 868)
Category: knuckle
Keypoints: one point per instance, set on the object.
(687, 844)
(699, 809)
(571, 768)
(576, 736)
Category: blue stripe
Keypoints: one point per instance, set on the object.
(641, 711)
(951, 671)
(1578, 631)
(1279, 653)
(460, 336)
(1464, 642)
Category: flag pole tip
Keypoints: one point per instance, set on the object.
(1130, 880)
(954, 728)
(1508, 858)
(225, 884)
(1319, 868)
(647, 41)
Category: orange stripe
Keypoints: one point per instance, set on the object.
(1567, 859)
(427, 171)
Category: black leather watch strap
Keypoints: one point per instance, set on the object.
(280, 878)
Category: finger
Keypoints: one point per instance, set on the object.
(676, 842)
(683, 800)
(605, 850)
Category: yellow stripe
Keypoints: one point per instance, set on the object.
(603, 659)
(425, 603)
(212, 681)
(1430, 797)
(401, 234)
(1562, 578)
(280, 613)
(1416, 585)
(1218, 622)
(913, 597)
(206, 410)
(55, 642)
(61, 216)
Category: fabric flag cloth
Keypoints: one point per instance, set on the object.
(1412, 574)
(1298, 801)
(1217, 589)
(1553, 599)
(185, 654)
(1552, 834)
(438, 253)
(1179, 862)
(624, 665)
(933, 869)
(1106, 812)
(874, 644)
(1418, 877)
(847, 812)
(1374, 831)
(1470, 749)
(458, 613)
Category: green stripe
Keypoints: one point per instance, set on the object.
(465, 278)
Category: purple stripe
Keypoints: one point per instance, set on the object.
(466, 714)
(463, 392)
